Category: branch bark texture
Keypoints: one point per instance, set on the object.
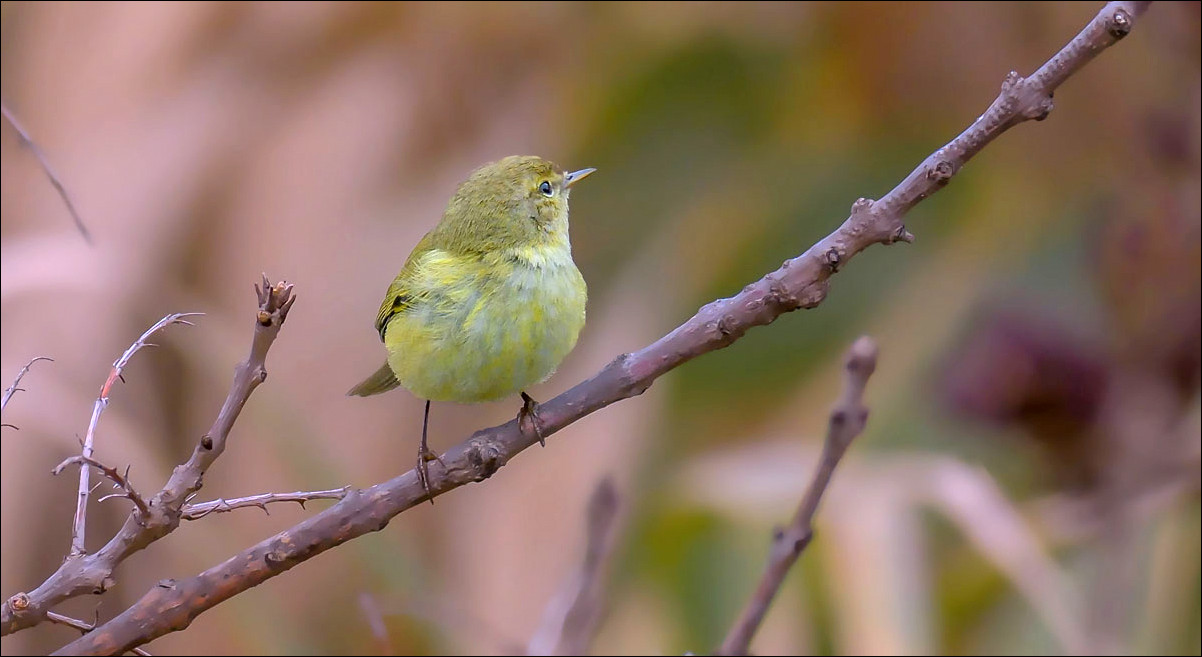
(847, 421)
(801, 282)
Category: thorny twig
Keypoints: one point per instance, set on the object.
(220, 505)
(79, 523)
(120, 481)
(13, 389)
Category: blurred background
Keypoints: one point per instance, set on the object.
(1028, 481)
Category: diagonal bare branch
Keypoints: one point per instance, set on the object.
(570, 620)
(49, 170)
(847, 421)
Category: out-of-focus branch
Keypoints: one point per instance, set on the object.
(220, 505)
(13, 389)
(93, 573)
(570, 621)
(847, 421)
(49, 170)
(375, 621)
(799, 283)
(79, 524)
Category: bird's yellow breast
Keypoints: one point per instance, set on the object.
(480, 328)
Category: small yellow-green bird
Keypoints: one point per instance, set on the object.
(490, 301)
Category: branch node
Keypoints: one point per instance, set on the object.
(167, 583)
(274, 559)
(942, 172)
(780, 295)
(206, 442)
(832, 260)
(901, 235)
(723, 325)
(814, 293)
(19, 602)
(1120, 24)
(485, 458)
(861, 206)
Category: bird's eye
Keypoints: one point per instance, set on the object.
(545, 188)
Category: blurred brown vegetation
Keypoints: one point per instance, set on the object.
(1029, 477)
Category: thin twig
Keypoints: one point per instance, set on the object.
(220, 505)
(83, 627)
(120, 481)
(49, 170)
(13, 389)
(847, 421)
(570, 621)
(93, 573)
(79, 523)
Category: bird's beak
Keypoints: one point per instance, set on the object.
(574, 177)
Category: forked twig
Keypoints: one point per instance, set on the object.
(79, 523)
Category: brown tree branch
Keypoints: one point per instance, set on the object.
(79, 524)
(570, 621)
(847, 421)
(93, 573)
(220, 505)
(47, 169)
(799, 283)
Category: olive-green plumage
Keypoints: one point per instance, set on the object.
(489, 302)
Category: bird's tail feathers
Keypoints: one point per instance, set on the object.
(382, 381)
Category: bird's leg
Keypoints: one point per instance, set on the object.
(530, 412)
(424, 455)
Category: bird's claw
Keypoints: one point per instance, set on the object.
(424, 456)
(530, 412)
